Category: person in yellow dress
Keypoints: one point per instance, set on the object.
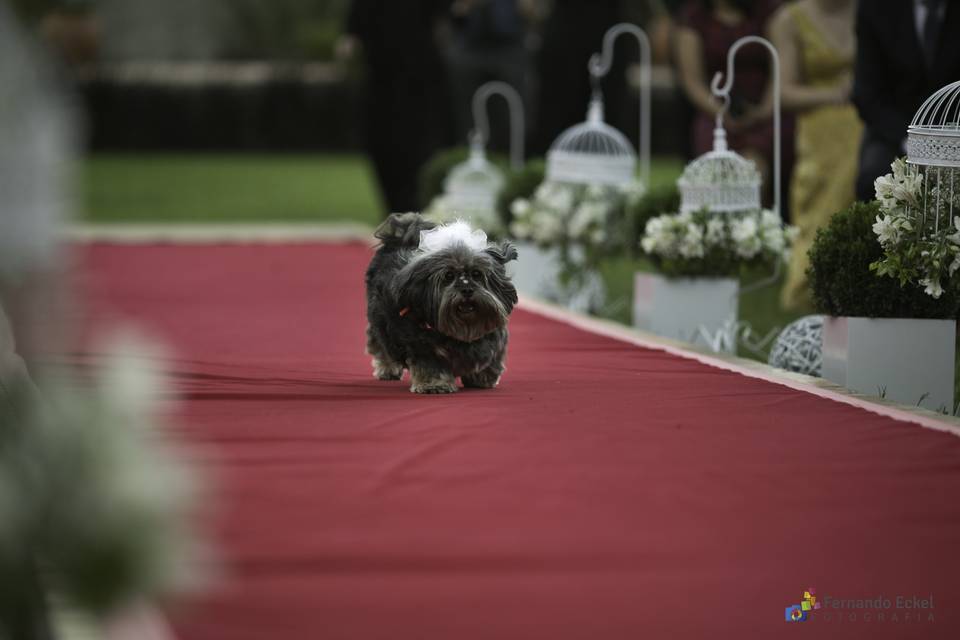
(817, 47)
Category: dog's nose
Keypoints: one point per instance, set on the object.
(466, 293)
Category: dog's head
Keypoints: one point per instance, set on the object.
(463, 293)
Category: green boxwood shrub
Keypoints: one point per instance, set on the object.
(843, 284)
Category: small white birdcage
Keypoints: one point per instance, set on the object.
(933, 152)
(592, 152)
(720, 181)
(475, 184)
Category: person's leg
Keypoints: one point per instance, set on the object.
(380, 159)
(513, 66)
(467, 72)
(395, 146)
(875, 159)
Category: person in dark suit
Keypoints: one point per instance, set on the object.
(906, 50)
(407, 115)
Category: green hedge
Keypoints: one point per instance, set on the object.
(841, 280)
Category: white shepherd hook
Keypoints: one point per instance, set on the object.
(599, 67)
(724, 93)
(514, 104)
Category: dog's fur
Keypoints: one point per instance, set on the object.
(441, 315)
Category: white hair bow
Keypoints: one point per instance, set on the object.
(448, 235)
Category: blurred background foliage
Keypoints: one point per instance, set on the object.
(294, 30)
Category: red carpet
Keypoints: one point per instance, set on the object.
(603, 491)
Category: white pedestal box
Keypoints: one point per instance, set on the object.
(679, 308)
(906, 360)
(537, 272)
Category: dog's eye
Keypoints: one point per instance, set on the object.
(476, 275)
(449, 276)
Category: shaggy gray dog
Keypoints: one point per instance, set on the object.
(441, 314)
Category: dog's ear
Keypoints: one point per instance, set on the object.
(501, 286)
(416, 288)
(502, 253)
(402, 229)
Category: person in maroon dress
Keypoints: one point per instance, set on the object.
(706, 29)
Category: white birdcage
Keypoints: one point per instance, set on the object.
(720, 181)
(475, 184)
(933, 151)
(592, 152)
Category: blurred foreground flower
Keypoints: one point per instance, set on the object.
(95, 503)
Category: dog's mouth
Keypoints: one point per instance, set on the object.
(466, 308)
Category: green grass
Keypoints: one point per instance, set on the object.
(228, 188)
(664, 171)
(242, 188)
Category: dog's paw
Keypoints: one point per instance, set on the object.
(485, 379)
(433, 387)
(382, 371)
(431, 381)
(481, 382)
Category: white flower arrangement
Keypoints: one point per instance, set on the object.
(559, 214)
(574, 225)
(918, 247)
(899, 188)
(715, 245)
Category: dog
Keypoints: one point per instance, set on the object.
(438, 301)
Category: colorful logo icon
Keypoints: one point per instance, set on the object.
(798, 612)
